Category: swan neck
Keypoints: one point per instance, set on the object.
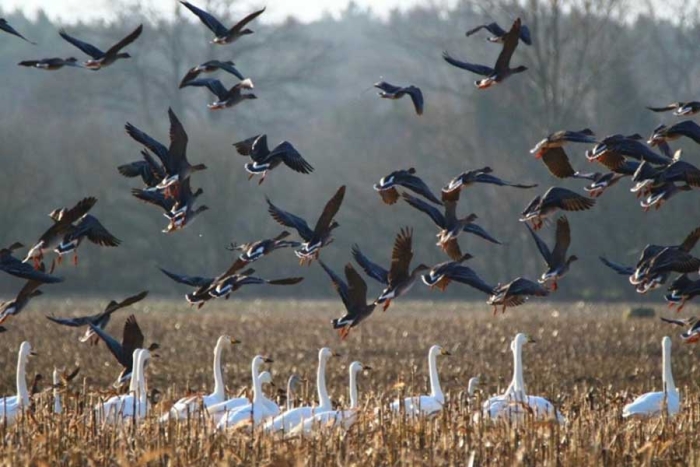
(518, 384)
(257, 387)
(22, 392)
(323, 399)
(218, 377)
(57, 408)
(289, 394)
(435, 389)
(133, 383)
(669, 384)
(353, 389)
(140, 377)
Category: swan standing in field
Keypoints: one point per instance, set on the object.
(188, 406)
(291, 418)
(138, 407)
(231, 405)
(335, 418)
(10, 406)
(652, 404)
(107, 411)
(253, 413)
(430, 404)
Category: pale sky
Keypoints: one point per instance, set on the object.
(69, 11)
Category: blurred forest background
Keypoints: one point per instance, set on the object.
(593, 64)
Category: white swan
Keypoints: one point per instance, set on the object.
(472, 386)
(291, 418)
(292, 383)
(652, 404)
(335, 418)
(515, 403)
(11, 406)
(426, 405)
(254, 413)
(57, 407)
(187, 406)
(272, 407)
(217, 411)
(139, 409)
(107, 411)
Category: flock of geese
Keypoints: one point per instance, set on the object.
(656, 171)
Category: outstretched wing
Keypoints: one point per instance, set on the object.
(113, 345)
(493, 28)
(132, 337)
(245, 147)
(466, 275)
(194, 281)
(238, 27)
(77, 211)
(482, 70)
(155, 146)
(401, 255)
(417, 98)
(490, 179)
(617, 267)
(372, 269)
(114, 306)
(563, 240)
(422, 206)
(557, 161)
(357, 287)
(291, 158)
(95, 232)
(178, 141)
(510, 43)
(329, 212)
(340, 286)
(209, 21)
(541, 246)
(214, 85)
(290, 220)
(386, 87)
(126, 41)
(88, 49)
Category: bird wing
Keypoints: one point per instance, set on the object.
(72, 322)
(562, 242)
(437, 217)
(214, 85)
(245, 147)
(7, 28)
(237, 265)
(541, 246)
(114, 306)
(690, 241)
(88, 49)
(372, 269)
(357, 287)
(386, 87)
(329, 212)
(417, 98)
(291, 158)
(493, 28)
(95, 232)
(401, 256)
(612, 160)
(522, 286)
(154, 197)
(687, 128)
(155, 146)
(673, 106)
(114, 50)
(133, 169)
(78, 211)
(340, 286)
(525, 35)
(510, 43)
(479, 231)
(290, 220)
(259, 150)
(451, 247)
(209, 21)
(194, 281)
(191, 74)
(491, 179)
(466, 275)
(132, 337)
(228, 67)
(617, 267)
(113, 345)
(238, 27)
(482, 70)
(567, 199)
(17, 268)
(178, 141)
(557, 161)
(677, 322)
(417, 185)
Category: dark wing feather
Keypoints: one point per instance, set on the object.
(245, 147)
(290, 220)
(114, 306)
(431, 211)
(96, 232)
(617, 267)
(228, 67)
(72, 322)
(541, 246)
(493, 28)
(690, 241)
(488, 178)
(329, 212)
(417, 98)
(155, 146)
(482, 70)
(557, 161)
(340, 286)
(79, 210)
(191, 74)
(291, 158)
(242, 23)
(357, 288)
(194, 281)
(372, 269)
(178, 141)
(563, 240)
(154, 197)
(673, 106)
(17, 268)
(401, 256)
(479, 231)
(214, 85)
(387, 88)
(132, 337)
(466, 275)
(126, 41)
(114, 346)
(416, 185)
(209, 21)
(88, 49)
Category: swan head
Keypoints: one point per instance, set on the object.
(25, 350)
(325, 353)
(266, 378)
(522, 339)
(56, 377)
(227, 339)
(666, 344)
(356, 367)
(472, 385)
(260, 359)
(438, 350)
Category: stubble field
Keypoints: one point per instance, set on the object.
(588, 361)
